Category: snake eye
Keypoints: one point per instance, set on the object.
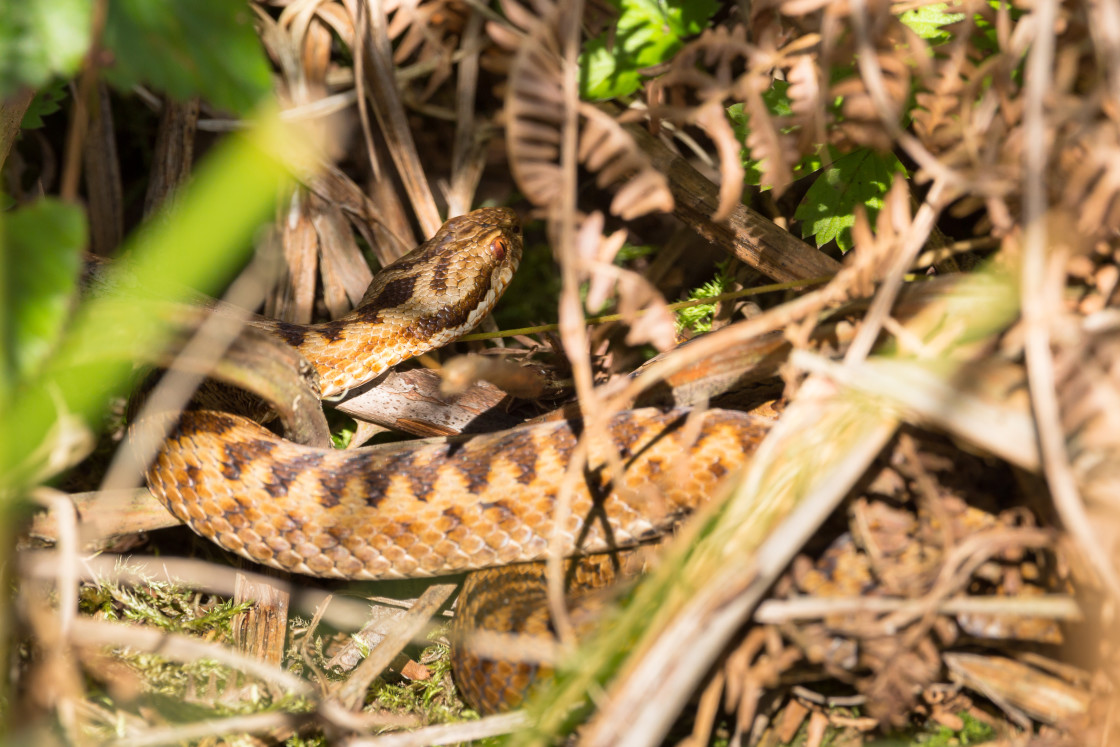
(498, 248)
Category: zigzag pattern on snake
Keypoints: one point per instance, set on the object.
(430, 509)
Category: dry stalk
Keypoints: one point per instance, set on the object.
(1041, 289)
(351, 694)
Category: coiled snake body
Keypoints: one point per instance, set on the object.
(431, 509)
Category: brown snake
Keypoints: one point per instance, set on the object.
(431, 509)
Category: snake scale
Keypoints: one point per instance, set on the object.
(430, 509)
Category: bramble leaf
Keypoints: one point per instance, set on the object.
(45, 102)
(648, 32)
(861, 177)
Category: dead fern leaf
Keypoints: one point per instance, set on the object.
(605, 148)
(806, 94)
(535, 117)
(427, 35)
(862, 124)
(597, 253)
(712, 119)
(640, 304)
(644, 309)
(1092, 191)
(767, 145)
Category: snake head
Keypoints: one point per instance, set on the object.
(452, 280)
(434, 294)
(461, 270)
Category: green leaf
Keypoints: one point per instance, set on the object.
(859, 178)
(198, 243)
(42, 255)
(45, 102)
(606, 73)
(40, 39)
(186, 48)
(777, 100)
(648, 32)
(927, 21)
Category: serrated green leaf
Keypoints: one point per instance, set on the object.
(648, 32)
(45, 103)
(42, 254)
(776, 98)
(40, 39)
(828, 209)
(606, 73)
(927, 21)
(186, 48)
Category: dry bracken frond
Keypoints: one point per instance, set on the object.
(609, 151)
(535, 116)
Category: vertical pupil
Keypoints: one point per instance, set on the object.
(498, 249)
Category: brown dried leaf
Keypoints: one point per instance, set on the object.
(806, 95)
(643, 307)
(862, 122)
(294, 299)
(609, 150)
(767, 145)
(344, 270)
(535, 117)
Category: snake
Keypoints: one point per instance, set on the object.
(430, 509)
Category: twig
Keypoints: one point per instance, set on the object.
(65, 519)
(1052, 607)
(352, 692)
(573, 331)
(746, 234)
(256, 723)
(1041, 300)
(490, 726)
(90, 632)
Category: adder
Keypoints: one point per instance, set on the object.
(432, 509)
